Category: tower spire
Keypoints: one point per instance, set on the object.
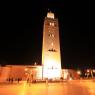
(48, 9)
(50, 15)
(51, 58)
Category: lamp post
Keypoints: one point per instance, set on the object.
(88, 71)
(42, 71)
(92, 73)
(79, 72)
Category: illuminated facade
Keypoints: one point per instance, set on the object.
(20, 71)
(51, 59)
(31, 72)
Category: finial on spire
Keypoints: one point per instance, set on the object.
(49, 10)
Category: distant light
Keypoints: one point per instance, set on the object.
(25, 69)
(70, 78)
(87, 70)
(94, 71)
(65, 74)
(35, 63)
(79, 72)
(52, 43)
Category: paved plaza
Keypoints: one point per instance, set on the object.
(75, 87)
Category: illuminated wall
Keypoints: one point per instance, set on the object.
(20, 71)
(4, 73)
(51, 59)
(25, 71)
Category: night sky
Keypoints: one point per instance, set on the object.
(22, 31)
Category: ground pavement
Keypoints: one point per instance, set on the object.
(75, 87)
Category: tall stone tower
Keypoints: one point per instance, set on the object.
(51, 59)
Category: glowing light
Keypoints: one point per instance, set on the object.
(87, 70)
(50, 15)
(51, 58)
(65, 74)
(51, 23)
(79, 72)
(39, 73)
(52, 43)
(94, 71)
(52, 73)
(26, 69)
(70, 78)
(51, 62)
(52, 69)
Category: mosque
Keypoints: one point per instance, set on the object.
(51, 58)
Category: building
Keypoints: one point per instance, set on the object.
(22, 72)
(51, 59)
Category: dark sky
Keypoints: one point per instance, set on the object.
(22, 28)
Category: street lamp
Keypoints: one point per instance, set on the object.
(92, 73)
(26, 69)
(79, 72)
(88, 70)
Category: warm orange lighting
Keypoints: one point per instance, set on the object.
(70, 78)
(50, 15)
(94, 71)
(52, 69)
(39, 73)
(26, 69)
(87, 70)
(49, 63)
(79, 72)
(51, 58)
(65, 74)
(51, 73)
(23, 89)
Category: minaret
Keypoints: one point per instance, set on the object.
(51, 59)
